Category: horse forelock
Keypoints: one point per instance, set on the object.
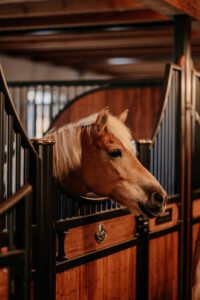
(114, 126)
(68, 147)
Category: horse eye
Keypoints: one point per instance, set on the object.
(115, 153)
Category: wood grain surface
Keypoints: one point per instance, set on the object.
(143, 104)
(110, 278)
(163, 267)
(81, 240)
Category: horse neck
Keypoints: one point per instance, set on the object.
(74, 183)
(73, 180)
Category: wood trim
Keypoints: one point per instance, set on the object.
(196, 208)
(102, 19)
(4, 284)
(174, 213)
(60, 7)
(174, 7)
(81, 240)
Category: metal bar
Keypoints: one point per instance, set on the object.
(10, 215)
(11, 258)
(27, 246)
(2, 146)
(34, 111)
(42, 108)
(167, 148)
(182, 35)
(105, 83)
(18, 161)
(142, 260)
(51, 105)
(10, 109)
(13, 200)
(46, 249)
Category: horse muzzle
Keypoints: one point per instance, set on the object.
(154, 206)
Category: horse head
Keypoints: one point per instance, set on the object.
(106, 164)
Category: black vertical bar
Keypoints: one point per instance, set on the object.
(27, 230)
(143, 148)
(9, 179)
(34, 112)
(182, 49)
(51, 105)
(10, 214)
(167, 127)
(18, 161)
(46, 250)
(42, 108)
(2, 149)
(142, 259)
(2, 154)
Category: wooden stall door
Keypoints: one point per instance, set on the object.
(163, 273)
(110, 277)
(163, 267)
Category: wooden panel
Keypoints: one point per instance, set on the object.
(112, 277)
(60, 7)
(168, 219)
(3, 284)
(195, 250)
(81, 240)
(143, 105)
(174, 7)
(163, 267)
(196, 208)
(195, 229)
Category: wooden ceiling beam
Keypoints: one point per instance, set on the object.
(140, 70)
(78, 20)
(43, 8)
(94, 55)
(85, 44)
(87, 35)
(174, 7)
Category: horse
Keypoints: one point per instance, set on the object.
(95, 155)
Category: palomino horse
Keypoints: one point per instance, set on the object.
(96, 155)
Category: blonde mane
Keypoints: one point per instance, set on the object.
(67, 152)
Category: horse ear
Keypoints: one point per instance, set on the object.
(123, 116)
(102, 119)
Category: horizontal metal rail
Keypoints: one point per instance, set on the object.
(111, 82)
(10, 109)
(11, 258)
(13, 200)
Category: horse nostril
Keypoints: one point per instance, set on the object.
(158, 197)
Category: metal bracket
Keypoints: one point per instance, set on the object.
(101, 234)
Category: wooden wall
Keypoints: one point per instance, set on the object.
(143, 104)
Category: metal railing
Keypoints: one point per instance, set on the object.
(166, 144)
(15, 197)
(38, 103)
